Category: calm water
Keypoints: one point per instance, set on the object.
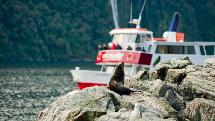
(26, 91)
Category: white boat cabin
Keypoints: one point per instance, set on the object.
(196, 51)
(131, 38)
(139, 50)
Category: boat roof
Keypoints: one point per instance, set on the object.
(181, 43)
(130, 31)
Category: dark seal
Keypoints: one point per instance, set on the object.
(119, 75)
(116, 83)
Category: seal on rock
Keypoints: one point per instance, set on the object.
(119, 75)
(117, 81)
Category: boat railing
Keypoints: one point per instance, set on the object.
(125, 50)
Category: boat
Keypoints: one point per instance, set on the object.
(140, 51)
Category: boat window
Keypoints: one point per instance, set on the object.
(137, 39)
(175, 49)
(146, 37)
(202, 50)
(149, 48)
(209, 50)
(124, 38)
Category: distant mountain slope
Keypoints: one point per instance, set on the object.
(48, 30)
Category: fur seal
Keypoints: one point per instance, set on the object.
(117, 81)
(119, 75)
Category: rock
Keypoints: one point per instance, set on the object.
(85, 105)
(150, 112)
(162, 99)
(162, 89)
(134, 83)
(153, 106)
(158, 88)
(175, 100)
(153, 75)
(137, 81)
(115, 116)
(179, 63)
(156, 106)
(199, 82)
(210, 62)
(135, 114)
(141, 75)
(161, 70)
(201, 109)
(175, 63)
(163, 65)
(175, 75)
(148, 117)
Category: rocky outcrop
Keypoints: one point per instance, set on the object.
(201, 109)
(83, 105)
(193, 80)
(175, 63)
(168, 92)
(99, 103)
(175, 75)
(200, 80)
(180, 91)
(151, 108)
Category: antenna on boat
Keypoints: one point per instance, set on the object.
(131, 16)
(140, 15)
(137, 21)
(115, 12)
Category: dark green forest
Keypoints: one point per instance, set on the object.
(67, 30)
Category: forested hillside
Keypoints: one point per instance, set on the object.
(63, 30)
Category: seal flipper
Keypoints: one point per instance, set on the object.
(119, 89)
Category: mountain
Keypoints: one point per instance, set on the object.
(48, 30)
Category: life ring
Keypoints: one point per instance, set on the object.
(130, 57)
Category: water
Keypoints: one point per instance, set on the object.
(26, 91)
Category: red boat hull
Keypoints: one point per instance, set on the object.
(84, 85)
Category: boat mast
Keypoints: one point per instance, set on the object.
(115, 13)
(136, 21)
(131, 16)
(140, 15)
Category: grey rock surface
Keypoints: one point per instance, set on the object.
(201, 109)
(200, 80)
(175, 75)
(174, 63)
(83, 105)
(162, 89)
(151, 108)
(179, 63)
